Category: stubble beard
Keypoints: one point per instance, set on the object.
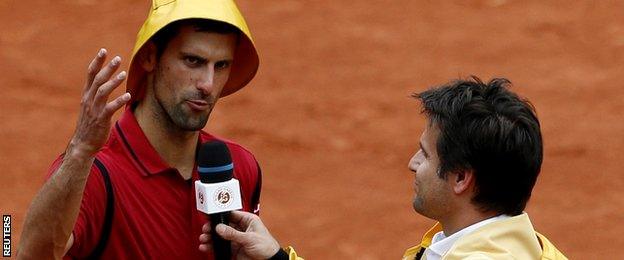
(176, 114)
(424, 210)
(185, 120)
(417, 204)
(430, 205)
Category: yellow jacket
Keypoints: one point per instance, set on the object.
(512, 238)
(292, 255)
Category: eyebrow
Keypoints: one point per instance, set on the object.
(423, 149)
(203, 59)
(186, 54)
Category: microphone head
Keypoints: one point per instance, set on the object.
(214, 163)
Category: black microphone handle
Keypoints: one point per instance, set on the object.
(222, 248)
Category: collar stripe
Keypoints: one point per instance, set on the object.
(125, 141)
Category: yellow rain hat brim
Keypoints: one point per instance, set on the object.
(164, 12)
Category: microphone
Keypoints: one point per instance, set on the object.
(216, 192)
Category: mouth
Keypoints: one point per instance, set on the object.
(198, 104)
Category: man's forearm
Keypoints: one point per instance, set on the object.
(52, 215)
(53, 212)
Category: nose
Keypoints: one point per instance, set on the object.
(205, 83)
(413, 163)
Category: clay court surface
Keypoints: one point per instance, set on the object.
(329, 115)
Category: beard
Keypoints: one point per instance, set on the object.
(417, 204)
(433, 204)
(184, 119)
(172, 109)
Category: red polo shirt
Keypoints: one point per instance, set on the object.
(155, 215)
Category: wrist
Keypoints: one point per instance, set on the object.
(77, 152)
(280, 255)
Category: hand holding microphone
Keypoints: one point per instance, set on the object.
(217, 193)
(255, 242)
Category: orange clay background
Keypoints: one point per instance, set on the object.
(329, 115)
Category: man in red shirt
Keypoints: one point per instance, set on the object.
(128, 192)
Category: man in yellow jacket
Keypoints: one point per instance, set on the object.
(478, 160)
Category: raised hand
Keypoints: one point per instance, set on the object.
(58, 202)
(94, 119)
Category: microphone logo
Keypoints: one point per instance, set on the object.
(223, 197)
(201, 197)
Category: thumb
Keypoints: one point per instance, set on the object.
(229, 233)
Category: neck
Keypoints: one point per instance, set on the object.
(464, 218)
(176, 146)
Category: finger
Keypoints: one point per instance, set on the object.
(206, 228)
(103, 76)
(230, 233)
(94, 68)
(204, 238)
(115, 105)
(241, 218)
(205, 247)
(102, 93)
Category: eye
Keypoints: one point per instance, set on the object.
(222, 64)
(423, 152)
(193, 61)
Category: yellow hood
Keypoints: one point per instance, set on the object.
(164, 12)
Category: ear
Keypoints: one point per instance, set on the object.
(147, 56)
(462, 181)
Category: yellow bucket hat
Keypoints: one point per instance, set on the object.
(164, 12)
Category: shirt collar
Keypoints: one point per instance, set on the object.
(440, 244)
(141, 152)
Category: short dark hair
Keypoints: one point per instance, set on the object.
(164, 35)
(490, 130)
